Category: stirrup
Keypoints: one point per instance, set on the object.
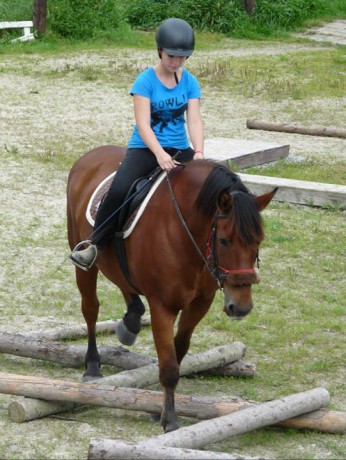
(78, 263)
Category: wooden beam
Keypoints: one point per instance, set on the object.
(147, 401)
(296, 129)
(297, 191)
(244, 153)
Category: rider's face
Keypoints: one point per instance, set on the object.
(172, 63)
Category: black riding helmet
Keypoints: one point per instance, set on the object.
(176, 37)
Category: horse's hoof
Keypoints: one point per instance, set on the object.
(125, 336)
(89, 378)
(155, 417)
(171, 427)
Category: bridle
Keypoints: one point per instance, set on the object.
(218, 272)
(211, 261)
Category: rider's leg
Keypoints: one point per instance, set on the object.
(137, 163)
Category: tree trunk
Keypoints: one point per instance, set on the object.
(145, 376)
(146, 401)
(40, 16)
(295, 129)
(250, 6)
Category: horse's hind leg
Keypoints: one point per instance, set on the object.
(128, 328)
(87, 283)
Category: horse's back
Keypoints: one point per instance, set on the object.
(100, 160)
(87, 172)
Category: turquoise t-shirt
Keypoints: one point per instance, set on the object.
(167, 107)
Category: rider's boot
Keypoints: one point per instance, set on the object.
(84, 258)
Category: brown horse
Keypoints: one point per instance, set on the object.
(200, 231)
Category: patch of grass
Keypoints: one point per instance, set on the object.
(304, 169)
(298, 76)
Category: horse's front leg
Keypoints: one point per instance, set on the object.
(87, 283)
(188, 320)
(162, 323)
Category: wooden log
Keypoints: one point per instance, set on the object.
(145, 376)
(295, 129)
(69, 355)
(78, 330)
(147, 401)
(73, 355)
(239, 368)
(110, 449)
(251, 418)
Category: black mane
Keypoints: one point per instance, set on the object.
(245, 215)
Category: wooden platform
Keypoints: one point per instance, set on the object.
(298, 191)
(244, 153)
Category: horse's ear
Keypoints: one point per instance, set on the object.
(263, 200)
(225, 201)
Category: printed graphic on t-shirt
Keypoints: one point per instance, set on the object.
(163, 117)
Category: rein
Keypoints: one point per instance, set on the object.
(216, 271)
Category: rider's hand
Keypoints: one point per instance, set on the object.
(198, 156)
(165, 161)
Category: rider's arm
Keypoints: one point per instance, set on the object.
(141, 106)
(195, 127)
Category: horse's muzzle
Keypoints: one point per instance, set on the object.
(238, 301)
(236, 312)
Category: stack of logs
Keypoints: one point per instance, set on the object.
(222, 417)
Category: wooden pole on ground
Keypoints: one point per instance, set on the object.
(69, 355)
(251, 418)
(221, 428)
(147, 401)
(110, 449)
(78, 330)
(74, 355)
(295, 129)
(143, 377)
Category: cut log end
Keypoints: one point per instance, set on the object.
(16, 412)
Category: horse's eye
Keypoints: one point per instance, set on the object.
(223, 241)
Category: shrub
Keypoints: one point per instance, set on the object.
(146, 15)
(286, 15)
(211, 15)
(227, 16)
(82, 18)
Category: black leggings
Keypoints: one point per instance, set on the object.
(136, 164)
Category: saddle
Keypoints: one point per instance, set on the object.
(136, 201)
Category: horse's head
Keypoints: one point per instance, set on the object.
(237, 236)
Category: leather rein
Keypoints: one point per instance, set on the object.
(211, 261)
